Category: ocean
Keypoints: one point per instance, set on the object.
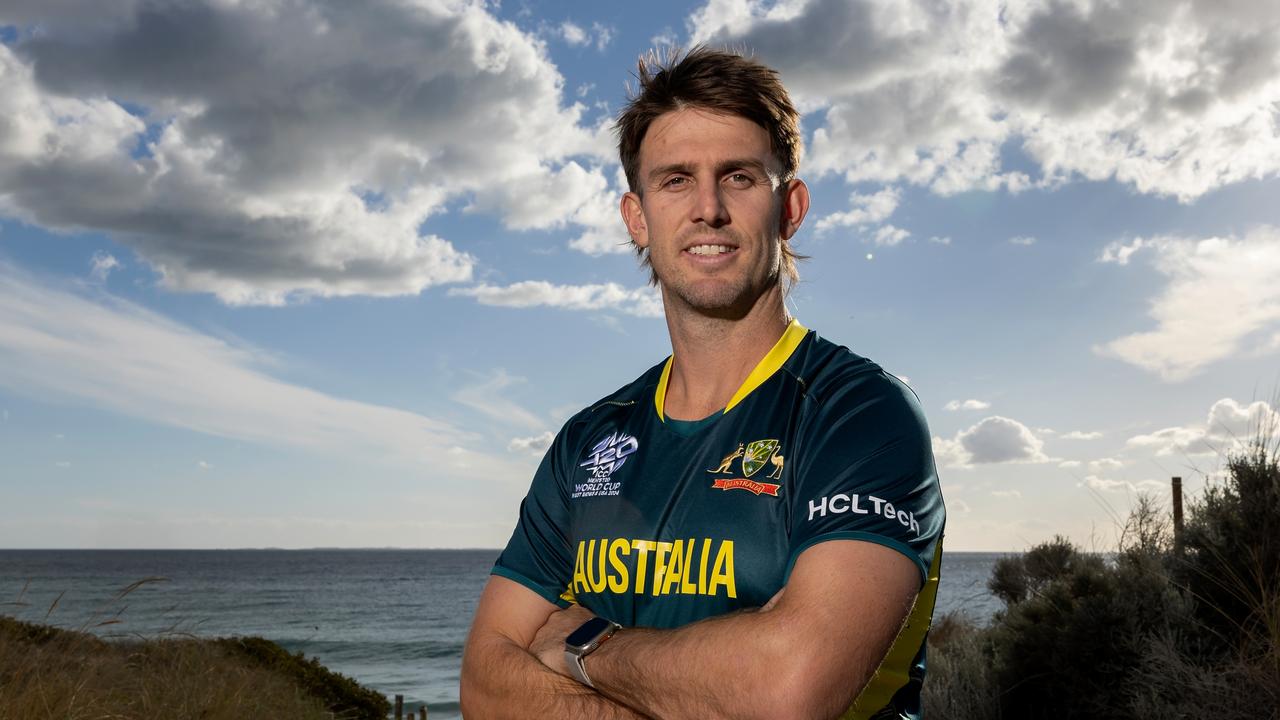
(394, 620)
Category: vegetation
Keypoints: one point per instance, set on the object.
(1158, 631)
(47, 672)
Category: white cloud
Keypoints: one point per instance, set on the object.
(889, 236)
(940, 240)
(204, 465)
(108, 353)
(1221, 299)
(992, 440)
(573, 33)
(577, 36)
(491, 397)
(868, 209)
(1102, 484)
(1070, 464)
(967, 405)
(1006, 493)
(642, 302)
(280, 150)
(1170, 98)
(1023, 240)
(1105, 464)
(102, 265)
(537, 444)
(1228, 427)
(1080, 435)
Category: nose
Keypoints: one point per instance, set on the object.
(708, 206)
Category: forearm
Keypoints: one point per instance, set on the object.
(502, 680)
(732, 666)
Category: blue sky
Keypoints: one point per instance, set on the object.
(291, 273)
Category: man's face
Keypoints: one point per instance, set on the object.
(712, 212)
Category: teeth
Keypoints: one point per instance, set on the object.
(709, 249)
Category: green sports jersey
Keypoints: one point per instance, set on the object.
(652, 522)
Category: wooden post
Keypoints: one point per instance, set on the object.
(424, 711)
(399, 707)
(1177, 515)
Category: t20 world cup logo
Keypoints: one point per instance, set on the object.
(609, 454)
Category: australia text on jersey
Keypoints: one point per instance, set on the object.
(687, 567)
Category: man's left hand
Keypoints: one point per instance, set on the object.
(548, 644)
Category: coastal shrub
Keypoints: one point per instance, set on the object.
(960, 685)
(1231, 564)
(343, 696)
(52, 673)
(1151, 632)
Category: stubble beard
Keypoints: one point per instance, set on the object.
(730, 297)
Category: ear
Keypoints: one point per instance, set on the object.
(633, 216)
(795, 205)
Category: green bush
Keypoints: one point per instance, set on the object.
(343, 696)
(1151, 632)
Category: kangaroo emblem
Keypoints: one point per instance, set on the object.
(777, 461)
(728, 460)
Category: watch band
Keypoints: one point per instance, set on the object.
(577, 649)
(578, 668)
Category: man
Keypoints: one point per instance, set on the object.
(753, 527)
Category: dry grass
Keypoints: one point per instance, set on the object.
(49, 673)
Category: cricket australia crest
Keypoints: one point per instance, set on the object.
(755, 455)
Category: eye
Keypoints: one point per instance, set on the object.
(740, 179)
(675, 182)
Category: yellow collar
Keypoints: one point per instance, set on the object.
(767, 366)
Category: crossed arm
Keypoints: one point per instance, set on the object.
(805, 655)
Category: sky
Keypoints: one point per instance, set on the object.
(313, 273)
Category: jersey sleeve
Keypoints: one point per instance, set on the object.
(538, 555)
(865, 471)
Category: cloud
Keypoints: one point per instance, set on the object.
(1023, 240)
(537, 444)
(868, 209)
(889, 236)
(108, 353)
(103, 264)
(642, 302)
(577, 36)
(1079, 435)
(1229, 426)
(1070, 464)
(491, 397)
(1122, 486)
(1221, 299)
(1105, 464)
(270, 151)
(1006, 493)
(993, 440)
(1169, 98)
(967, 405)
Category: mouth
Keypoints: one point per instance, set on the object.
(710, 249)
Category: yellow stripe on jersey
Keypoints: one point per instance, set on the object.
(893, 671)
(763, 370)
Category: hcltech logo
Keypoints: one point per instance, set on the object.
(755, 455)
(603, 460)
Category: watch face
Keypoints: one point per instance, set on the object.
(587, 632)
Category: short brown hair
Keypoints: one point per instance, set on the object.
(720, 81)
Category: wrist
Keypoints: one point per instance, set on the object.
(582, 642)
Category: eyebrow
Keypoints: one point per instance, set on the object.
(720, 169)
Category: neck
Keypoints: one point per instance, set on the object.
(714, 355)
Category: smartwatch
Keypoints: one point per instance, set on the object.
(582, 642)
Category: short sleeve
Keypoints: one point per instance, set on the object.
(865, 471)
(537, 555)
